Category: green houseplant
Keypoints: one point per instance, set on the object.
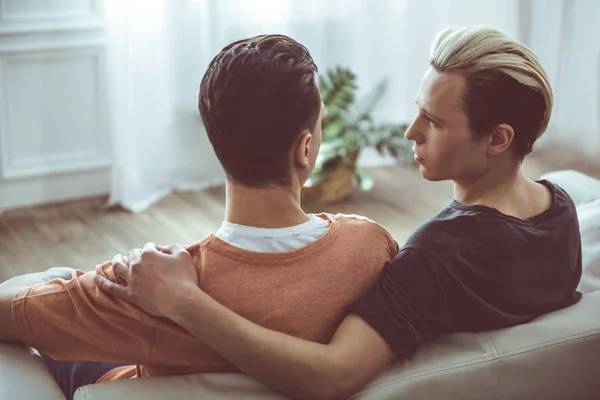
(348, 127)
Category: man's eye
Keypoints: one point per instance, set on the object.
(432, 123)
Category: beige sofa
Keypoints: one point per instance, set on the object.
(556, 356)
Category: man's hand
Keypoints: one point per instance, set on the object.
(157, 279)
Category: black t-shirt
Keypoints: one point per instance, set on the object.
(472, 268)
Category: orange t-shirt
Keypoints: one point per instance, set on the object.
(303, 292)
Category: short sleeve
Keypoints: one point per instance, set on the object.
(409, 305)
(74, 320)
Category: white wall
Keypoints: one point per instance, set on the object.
(54, 119)
(565, 34)
(54, 141)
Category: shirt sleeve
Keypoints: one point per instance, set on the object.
(409, 305)
(74, 320)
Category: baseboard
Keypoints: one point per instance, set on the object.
(53, 188)
(370, 157)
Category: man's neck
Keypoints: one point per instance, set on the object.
(507, 190)
(495, 184)
(275, 207)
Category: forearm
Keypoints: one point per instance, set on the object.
(292, 366)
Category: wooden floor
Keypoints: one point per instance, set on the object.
(81, 234)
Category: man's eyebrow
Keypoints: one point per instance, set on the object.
(429, 114)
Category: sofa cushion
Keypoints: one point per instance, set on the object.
(23, 375)
(582, 188)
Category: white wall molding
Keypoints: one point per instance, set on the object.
(54, 188)
(34, 46)
(54, 117)
(48, 27)
(39, 167)
(17, 16)
(85, 62)
(18, 163)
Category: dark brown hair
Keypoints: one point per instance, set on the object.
(256, 97)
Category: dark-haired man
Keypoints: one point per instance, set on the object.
(269, 261)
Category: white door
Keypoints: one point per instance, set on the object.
(54, 130)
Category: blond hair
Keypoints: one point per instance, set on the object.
(506, 82)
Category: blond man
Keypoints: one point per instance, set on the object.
(505, 250)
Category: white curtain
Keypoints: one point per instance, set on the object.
(565, 34)
(157, 52)
(159, 49)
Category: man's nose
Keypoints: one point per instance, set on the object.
(413, 132)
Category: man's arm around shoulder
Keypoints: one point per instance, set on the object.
(292, 366)
(295, 367)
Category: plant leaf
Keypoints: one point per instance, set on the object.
(365, 180)
(348, 126)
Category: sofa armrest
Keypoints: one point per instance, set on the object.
(23, 375)
(582, 188)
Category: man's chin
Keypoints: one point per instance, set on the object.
(430, 175)
(425, 173)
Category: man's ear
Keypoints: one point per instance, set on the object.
(500, 139)
(302, 152)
